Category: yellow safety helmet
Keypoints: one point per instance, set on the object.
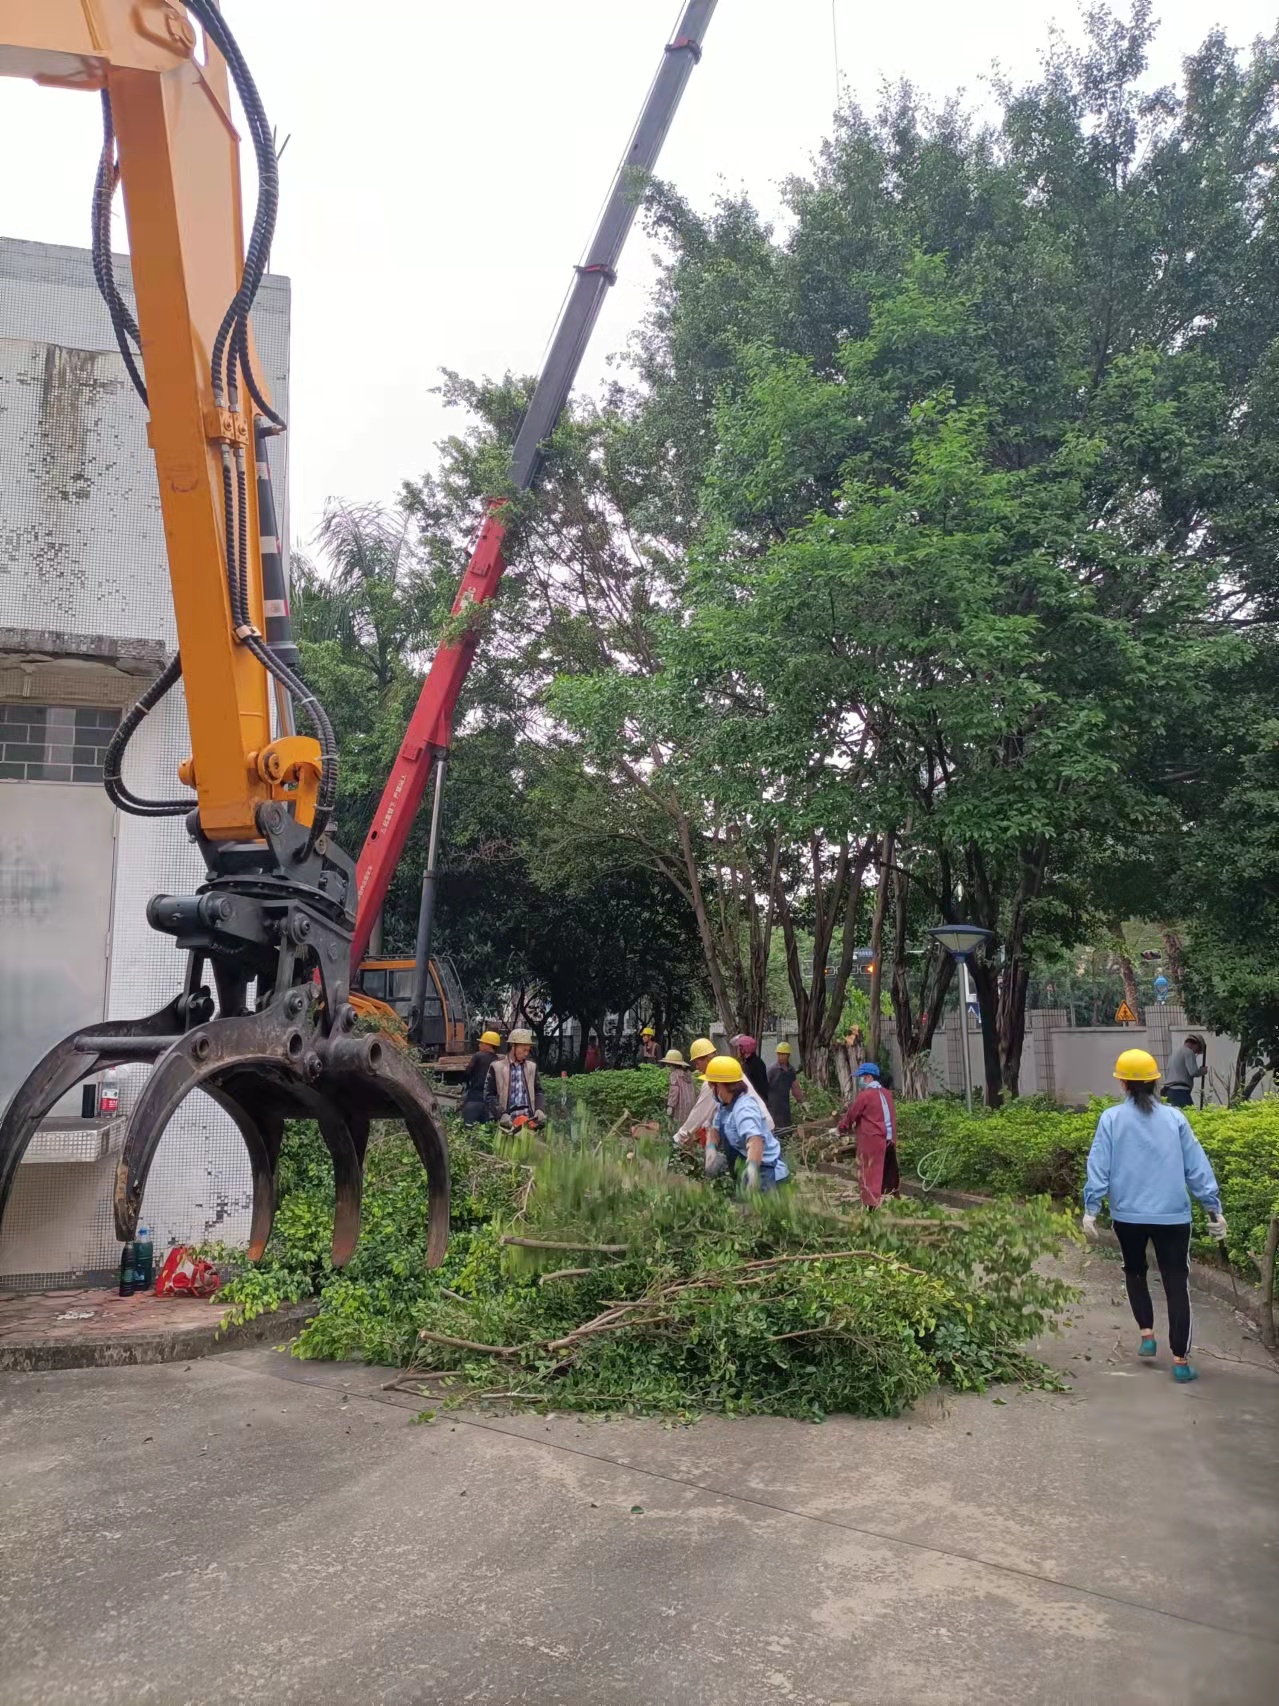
(491, 1038)
(1135, 1066)
(724, 1070)
(648, 1031)
(783, 1048)
(700, 1048)
(672, 1057)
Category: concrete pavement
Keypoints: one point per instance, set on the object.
(249, 1528)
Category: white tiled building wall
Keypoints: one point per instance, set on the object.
(82, 552)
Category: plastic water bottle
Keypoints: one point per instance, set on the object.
(128, 1274)
(109, 1094)
(144, 1261)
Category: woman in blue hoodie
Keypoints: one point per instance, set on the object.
(1146, 1159)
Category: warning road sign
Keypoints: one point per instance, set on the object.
(1125, 1015)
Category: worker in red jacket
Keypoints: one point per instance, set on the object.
(873, 1116)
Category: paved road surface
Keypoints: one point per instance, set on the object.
(253, 1529)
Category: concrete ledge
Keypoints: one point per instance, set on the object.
(144, 658)
(96, 1329)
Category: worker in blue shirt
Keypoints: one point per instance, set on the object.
(740, 1130)
(1145, 1159)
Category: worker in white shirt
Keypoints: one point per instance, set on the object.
(694, 1128)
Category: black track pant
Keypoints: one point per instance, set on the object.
(1172, 1252)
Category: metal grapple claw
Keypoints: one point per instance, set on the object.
(274, 924)
(279, 1064)
(86, 1051)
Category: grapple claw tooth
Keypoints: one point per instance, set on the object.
(383, 1081)
(250, 1058)
(348, 1169)
(263, 1133)
(63, 1067)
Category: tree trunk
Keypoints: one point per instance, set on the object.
(818, 1010)
(1014, 981)
(710, 954)
(1268, 1284)
(1123, 961)
(877, 949)
(1173, 954)
(852, 909)
(1012, 1023)
(915, 1026)
(985, 981)
(1241, 1068)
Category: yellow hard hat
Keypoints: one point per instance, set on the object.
(783, 1048)
(699, 1048)
(491, 1038)
(648, 1031)
(724, 1070)
(672, 1057)
(1135, 1066)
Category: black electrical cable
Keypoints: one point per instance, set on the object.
(304, 699)
(231, 353)
(123, 324)
(112, 766)
(230, 347)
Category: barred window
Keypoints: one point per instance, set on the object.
(54, 743)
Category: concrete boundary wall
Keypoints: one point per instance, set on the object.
(1071, 1063)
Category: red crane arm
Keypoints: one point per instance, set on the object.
(431, 725)
(430, 729)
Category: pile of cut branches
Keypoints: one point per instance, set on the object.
(593, 1275)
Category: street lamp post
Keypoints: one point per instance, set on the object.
(961, 942)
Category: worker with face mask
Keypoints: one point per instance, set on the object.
(740, 1135)
(698, 1122)
(753, 1067)
(474, 1111)
(513, 1090)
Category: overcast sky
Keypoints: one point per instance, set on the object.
(447, 159)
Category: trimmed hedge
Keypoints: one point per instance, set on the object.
(1033, 1146)
(606, 1096)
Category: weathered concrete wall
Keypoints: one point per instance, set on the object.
(82, 554)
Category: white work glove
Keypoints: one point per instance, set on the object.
(716, 1162)
(506, 1123)
(1217, 1226)
(1089, 1226)
(751, 1181)
(539, 1119)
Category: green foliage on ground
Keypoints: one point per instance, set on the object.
(1033, 1146)
(791, 1304)
(605, 1096)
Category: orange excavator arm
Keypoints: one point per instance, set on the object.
(275, 1037)
(179, 168)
